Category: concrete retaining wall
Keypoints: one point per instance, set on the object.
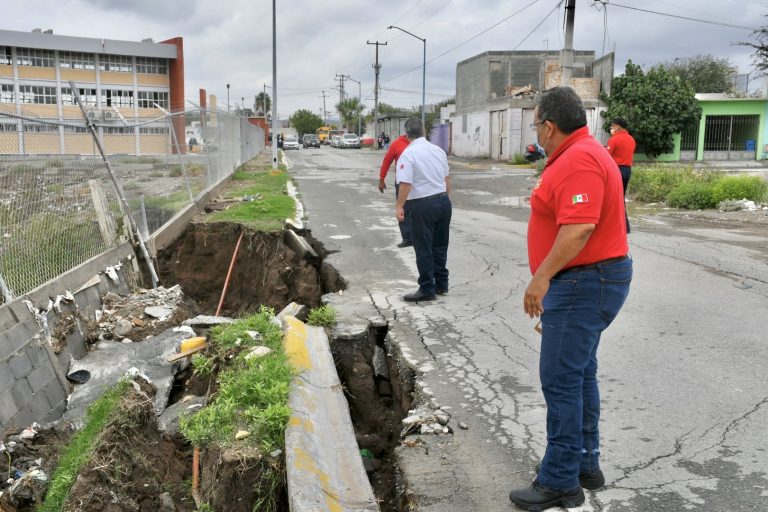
(39, 334)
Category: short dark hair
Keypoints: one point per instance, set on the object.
(562, 106)
(620, 121)
(413, 128)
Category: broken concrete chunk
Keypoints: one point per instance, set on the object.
(380, 368)
(243, 434)
(159, 312)
(293, 309)
(258, 352)
(205, 320)
(255, 335)
(123, 328)
(169, 419)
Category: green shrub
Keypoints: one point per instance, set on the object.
(519, 159)
(692, 196)
(653, 183)
(753, 188)
(175, 171)
(324, 316)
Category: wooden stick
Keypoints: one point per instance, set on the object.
(186, 353)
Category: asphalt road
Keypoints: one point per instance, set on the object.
(682, 369)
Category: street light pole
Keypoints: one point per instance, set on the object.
(359, 103)
(227, 98)
(274, 86)
(423, 74)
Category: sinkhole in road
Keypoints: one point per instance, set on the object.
(268, 272)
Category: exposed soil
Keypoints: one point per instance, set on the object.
(266, 272)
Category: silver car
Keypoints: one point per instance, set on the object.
(350, 140)
(291, 142)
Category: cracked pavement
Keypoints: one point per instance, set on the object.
(682, 369)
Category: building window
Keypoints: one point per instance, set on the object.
(153, 130)
(37, 94)
(40, 127)
(73, 128)
(6, 93)
(33, 57)
(5, 55)
(152, 66)
(87, 96)
(121, 63)
(118, 130)
(6, 125)
(147, 99)
(116, 98)
(77, 60)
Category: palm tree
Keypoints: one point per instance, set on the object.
(350, 110)
(263, 102)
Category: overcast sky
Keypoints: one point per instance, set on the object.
(231, 41)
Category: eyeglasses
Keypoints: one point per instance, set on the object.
(535, 127)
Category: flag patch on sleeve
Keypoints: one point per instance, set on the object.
(580, 198)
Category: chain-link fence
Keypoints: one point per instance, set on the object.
(58, 205)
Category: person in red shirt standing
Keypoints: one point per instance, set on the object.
(621, 146)
(577, 253)
(393, 154)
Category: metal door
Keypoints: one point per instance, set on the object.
(499, 149)
(731, 137)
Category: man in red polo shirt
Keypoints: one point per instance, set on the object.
(577, 252)
(621, 146)
(393, 154)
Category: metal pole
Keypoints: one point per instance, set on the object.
(227, 98)
(566, 59)
(424, 87)
(119, 188)
(274, 85)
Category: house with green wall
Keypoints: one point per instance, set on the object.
(729, 129)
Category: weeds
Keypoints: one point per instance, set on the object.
(266, 214)
(323, 316)
(56, 162)
(252, 393)
(79, 449)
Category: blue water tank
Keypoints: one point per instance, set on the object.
(749, 145)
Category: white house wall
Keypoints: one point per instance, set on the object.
(474, 141)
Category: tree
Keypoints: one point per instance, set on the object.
(263, 103)
(305, 121)
(704, 73)
(657, 105)
(350, 110)
(760, 55)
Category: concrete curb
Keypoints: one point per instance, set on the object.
(323, 462)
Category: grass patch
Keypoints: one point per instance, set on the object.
(323, 316)
(684, 187)
(56, 162)
(79, 449)
(519, 159)
(252, 394)
(266, 214)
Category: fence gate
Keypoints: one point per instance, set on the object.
(731, 137)
(689, 141)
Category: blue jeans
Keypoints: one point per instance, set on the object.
(430, 221)
(405, 225)
(579, 306)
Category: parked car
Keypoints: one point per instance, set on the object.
(310, 141)
(291, 142)
(350, 140)
(336, 141)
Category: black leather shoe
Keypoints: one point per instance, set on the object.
(417, 296)
(536, 497)
(441, 291)
(590, 481)
(405, 244)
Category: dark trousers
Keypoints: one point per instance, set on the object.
(430, 222)
(626, 173)
(405, 225)
(578, 307)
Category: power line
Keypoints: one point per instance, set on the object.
(540, 23)
(687, 18)
(465, 42)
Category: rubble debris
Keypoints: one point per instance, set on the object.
(426, 420)
(242, 434)
(207, 320)
(258, 352)
(168, 422)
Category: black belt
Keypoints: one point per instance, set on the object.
(593, 266)
(435, 196)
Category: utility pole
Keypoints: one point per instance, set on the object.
(377, 68)
(566, 57)
(340, 79)
(274, 87)
(325, 119)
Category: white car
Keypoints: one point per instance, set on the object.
(350, 140)
(291, 142)
(336, 141)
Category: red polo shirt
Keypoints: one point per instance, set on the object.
(580, 185)
(393, 153)
(621, 146)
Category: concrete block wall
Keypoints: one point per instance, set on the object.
(33, 386)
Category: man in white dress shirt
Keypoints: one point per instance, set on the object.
(422, 172)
